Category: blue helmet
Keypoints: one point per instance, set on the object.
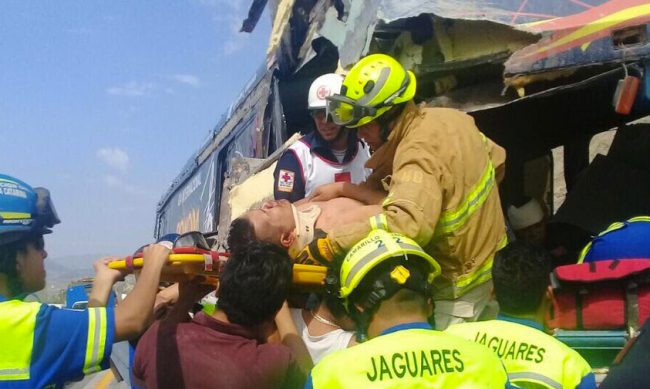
(24, 210)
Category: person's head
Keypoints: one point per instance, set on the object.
(528, 222)
(520, 274)
(26, 214)
(323, 87)
(386, 269)
(254, 283)
(372, 94)
(273, 223)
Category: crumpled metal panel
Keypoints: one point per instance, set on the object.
(553, 19)
(515, 13)
(586, 38)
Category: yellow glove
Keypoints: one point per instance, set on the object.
(321, 251)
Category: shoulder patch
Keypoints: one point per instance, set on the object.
(286, 179)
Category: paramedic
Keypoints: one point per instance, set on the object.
(440, 174)
(41, 345)
(330, 154)
(385, 281)
(531, 357)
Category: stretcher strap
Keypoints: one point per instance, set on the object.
(207, 262)
(128, 263)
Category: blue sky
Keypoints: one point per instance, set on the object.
(102, 102)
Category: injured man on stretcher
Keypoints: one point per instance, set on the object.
(293, 226)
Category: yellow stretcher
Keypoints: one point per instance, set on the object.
(182, 265)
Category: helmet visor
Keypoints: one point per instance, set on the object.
(46, 216)
(346, 112)
(192, 239)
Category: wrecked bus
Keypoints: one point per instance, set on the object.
(535, 75)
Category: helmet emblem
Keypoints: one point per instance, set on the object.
(322, 92)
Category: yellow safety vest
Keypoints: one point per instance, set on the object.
(17, 323)
(18, 320)
(529, 355)
(411, 358)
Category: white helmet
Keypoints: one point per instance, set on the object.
(322, 87)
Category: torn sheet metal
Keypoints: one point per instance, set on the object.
(254, 13)
(364, 16)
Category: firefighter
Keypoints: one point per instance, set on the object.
(385, 281)
(435, 175)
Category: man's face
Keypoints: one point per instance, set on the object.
(371, 134)
(30, 266)
(327, 130)
(273, 220)
(535, 234)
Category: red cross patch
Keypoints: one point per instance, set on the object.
(285, 180)
(322, 92)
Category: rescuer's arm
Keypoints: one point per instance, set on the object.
(288, 180)
(414, 202)
(105, 278)
(134, 313)
(187, 294)
(360, 192)
(498, 158)
(289, 337)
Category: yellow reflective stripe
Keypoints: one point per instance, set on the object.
(524, 377)
(17, 324)
(14, 374)
(453, 219)
(640, 219)
(379, 222)
(584, 252)
(16, 215)
(96, 341)
(482, 274)
(612, 227)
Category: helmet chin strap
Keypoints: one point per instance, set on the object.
(362, 322)
(386, 119)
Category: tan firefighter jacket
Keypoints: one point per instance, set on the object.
(441, 175)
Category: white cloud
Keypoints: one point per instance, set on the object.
(116, 183)
(131, 89)
(188, 79)
(232, 46)
(114, 157)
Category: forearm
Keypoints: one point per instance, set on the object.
(363, 193)
(404, 214)
(179, 312)
(100, 292)
(134, 313)
(289, 337)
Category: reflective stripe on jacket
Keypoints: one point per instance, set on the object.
(529, 355)
(46, 346)
(441, 175)
(411, 358)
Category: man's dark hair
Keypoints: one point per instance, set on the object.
(521, 276)
(254, 283)
(241, 234)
